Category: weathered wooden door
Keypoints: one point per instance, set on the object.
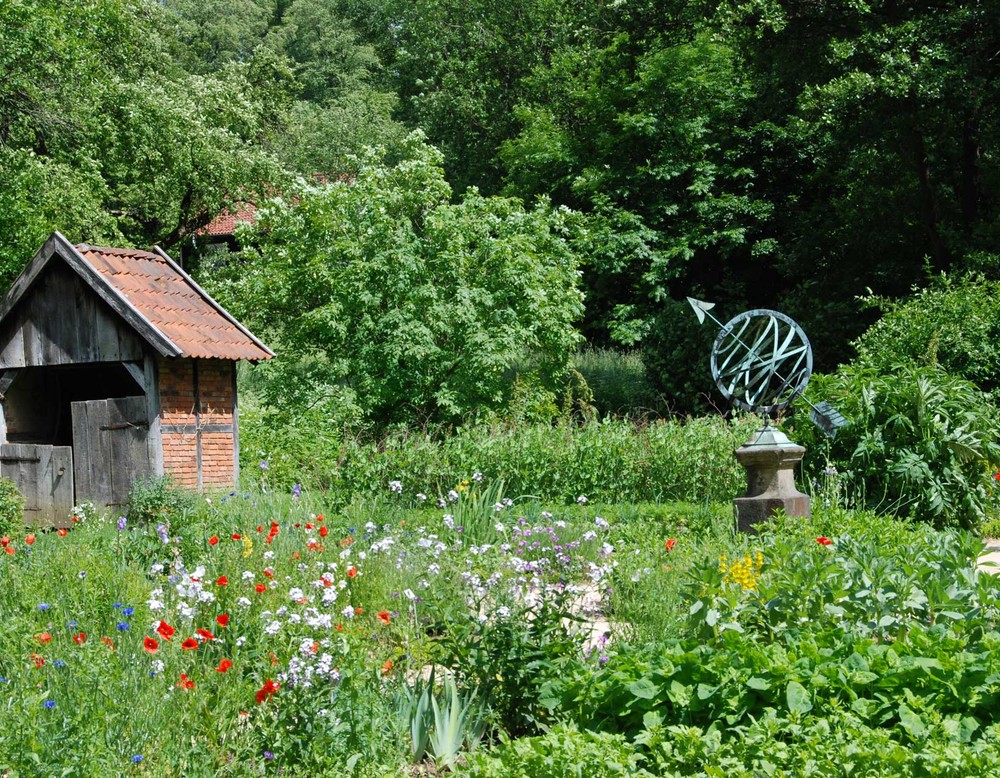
(44, 474)
(112, 449)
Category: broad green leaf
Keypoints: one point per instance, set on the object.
(798, 698)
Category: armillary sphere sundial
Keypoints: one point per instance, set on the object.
(761, 361)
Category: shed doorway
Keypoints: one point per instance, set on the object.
(93, 420)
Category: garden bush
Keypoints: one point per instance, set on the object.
(954, 323)
(920, 442)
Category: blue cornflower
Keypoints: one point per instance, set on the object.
(71, 624)
(124, 626)
(43, 606)
(137, 758)
(118, 606)
(3, 680)
(128, 611)
(50, 704)
(59, 663)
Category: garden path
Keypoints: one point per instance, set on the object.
(991, 554)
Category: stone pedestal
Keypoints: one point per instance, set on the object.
(769, 458)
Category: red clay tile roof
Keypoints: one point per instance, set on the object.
(225, 223)
(169, 299)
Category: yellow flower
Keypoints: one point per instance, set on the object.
(247, 547)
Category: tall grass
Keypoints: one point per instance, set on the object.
(612, 460)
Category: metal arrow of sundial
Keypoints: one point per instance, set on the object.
(761, 360)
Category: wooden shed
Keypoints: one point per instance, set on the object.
(114, 366)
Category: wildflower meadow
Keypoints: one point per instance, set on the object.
(251, 634)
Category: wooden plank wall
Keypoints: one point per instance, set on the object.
(114, 449)
(61, 321)
(44, 474)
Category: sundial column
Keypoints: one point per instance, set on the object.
(769, 458)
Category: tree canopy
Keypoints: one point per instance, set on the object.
(763, 153)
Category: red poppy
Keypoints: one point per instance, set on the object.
(268, 572)
(80, 638)
(823, 541)
(320, 518)
(324, 531)
(267, 690)
(38, 660)
(352, 571)
(996, 476)
(340, 628)
(189, 644)
(671, 542)
(4, 541)
(165, 631)
(224, 665)
(205, 633)
(9, 550)
(309, 525)
(214, 540)
(222, 619)
(29, 539)
(108, 642)
(150, 645)
(44, 638)
(387, 667)
(185, 682)
(61, 532)
(260, 528)
(260, 588)
(296, 555)
(297, 524)
(222, 581)
(237, 536)
(75, 519)
(358, 611)
(314, 648)
(384, 617)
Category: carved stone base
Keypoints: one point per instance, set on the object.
(769, 458)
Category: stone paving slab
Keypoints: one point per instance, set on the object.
(991, 554)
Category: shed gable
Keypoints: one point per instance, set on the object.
(60, 321)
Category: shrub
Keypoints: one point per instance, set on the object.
(12, 504)
(155, 500)
(954, 323)
(920, 442)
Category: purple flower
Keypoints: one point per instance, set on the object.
(297, 491)
(122, 523)
(268, 755)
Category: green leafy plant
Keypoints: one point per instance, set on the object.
(953, 323)
(459, 722)
(12, 504)
(155, 500)
(919, 442)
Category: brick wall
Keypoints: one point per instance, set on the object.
(179, 407)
